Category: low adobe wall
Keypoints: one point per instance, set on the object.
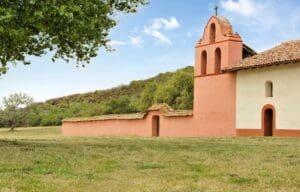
(179, 126)
(184, 126)
(107, 128)
(169, 126)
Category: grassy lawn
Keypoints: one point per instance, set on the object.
(40, 159)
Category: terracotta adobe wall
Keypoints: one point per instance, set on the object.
(179, 127)
(168, 127)
(214, 107)
(106, 128)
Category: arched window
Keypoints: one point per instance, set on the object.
(203, 62)
(212, 33)
(269, 89)
(218, 61)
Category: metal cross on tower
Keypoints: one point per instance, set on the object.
(216, 10)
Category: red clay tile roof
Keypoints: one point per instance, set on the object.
(285, 53)
(164, 108)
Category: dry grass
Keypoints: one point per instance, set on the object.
(40, 159)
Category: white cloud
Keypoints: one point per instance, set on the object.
(254, 12)
(159, 24)
(189, 34)
(161, 38)
(116, 43)
(136, 41)
(245, 8)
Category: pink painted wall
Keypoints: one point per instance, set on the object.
(106, 128)
(214, 105)
(168, 127)
(179, 127)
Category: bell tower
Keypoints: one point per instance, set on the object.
(215, 90)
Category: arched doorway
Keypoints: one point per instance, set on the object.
(155, 126)
(268, 120)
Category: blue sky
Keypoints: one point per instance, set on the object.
(159, 38)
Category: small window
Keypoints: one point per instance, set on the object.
(269, 89)
(212, 33)
(203, 63)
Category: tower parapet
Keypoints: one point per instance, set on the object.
(218, 48)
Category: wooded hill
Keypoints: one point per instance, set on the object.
(173, 88)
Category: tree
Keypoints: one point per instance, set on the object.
(119, 105)
(2, 118)
(177, 92)
(71, 29)
(14, 106)
(147, 96)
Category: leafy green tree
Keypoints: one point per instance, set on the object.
(165, 94)
(33, 117)
(184, 100)
(177, 92)
(15, 106)
(71, 29)
(183, 84)
(147, 96)
(2, 119)
(118, 106)
(52, 116)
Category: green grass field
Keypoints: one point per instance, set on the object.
(40, 159)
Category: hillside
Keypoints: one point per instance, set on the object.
(174, 88)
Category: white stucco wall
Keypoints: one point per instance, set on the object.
(286, 99)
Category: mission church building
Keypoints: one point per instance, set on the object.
(237, 92)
